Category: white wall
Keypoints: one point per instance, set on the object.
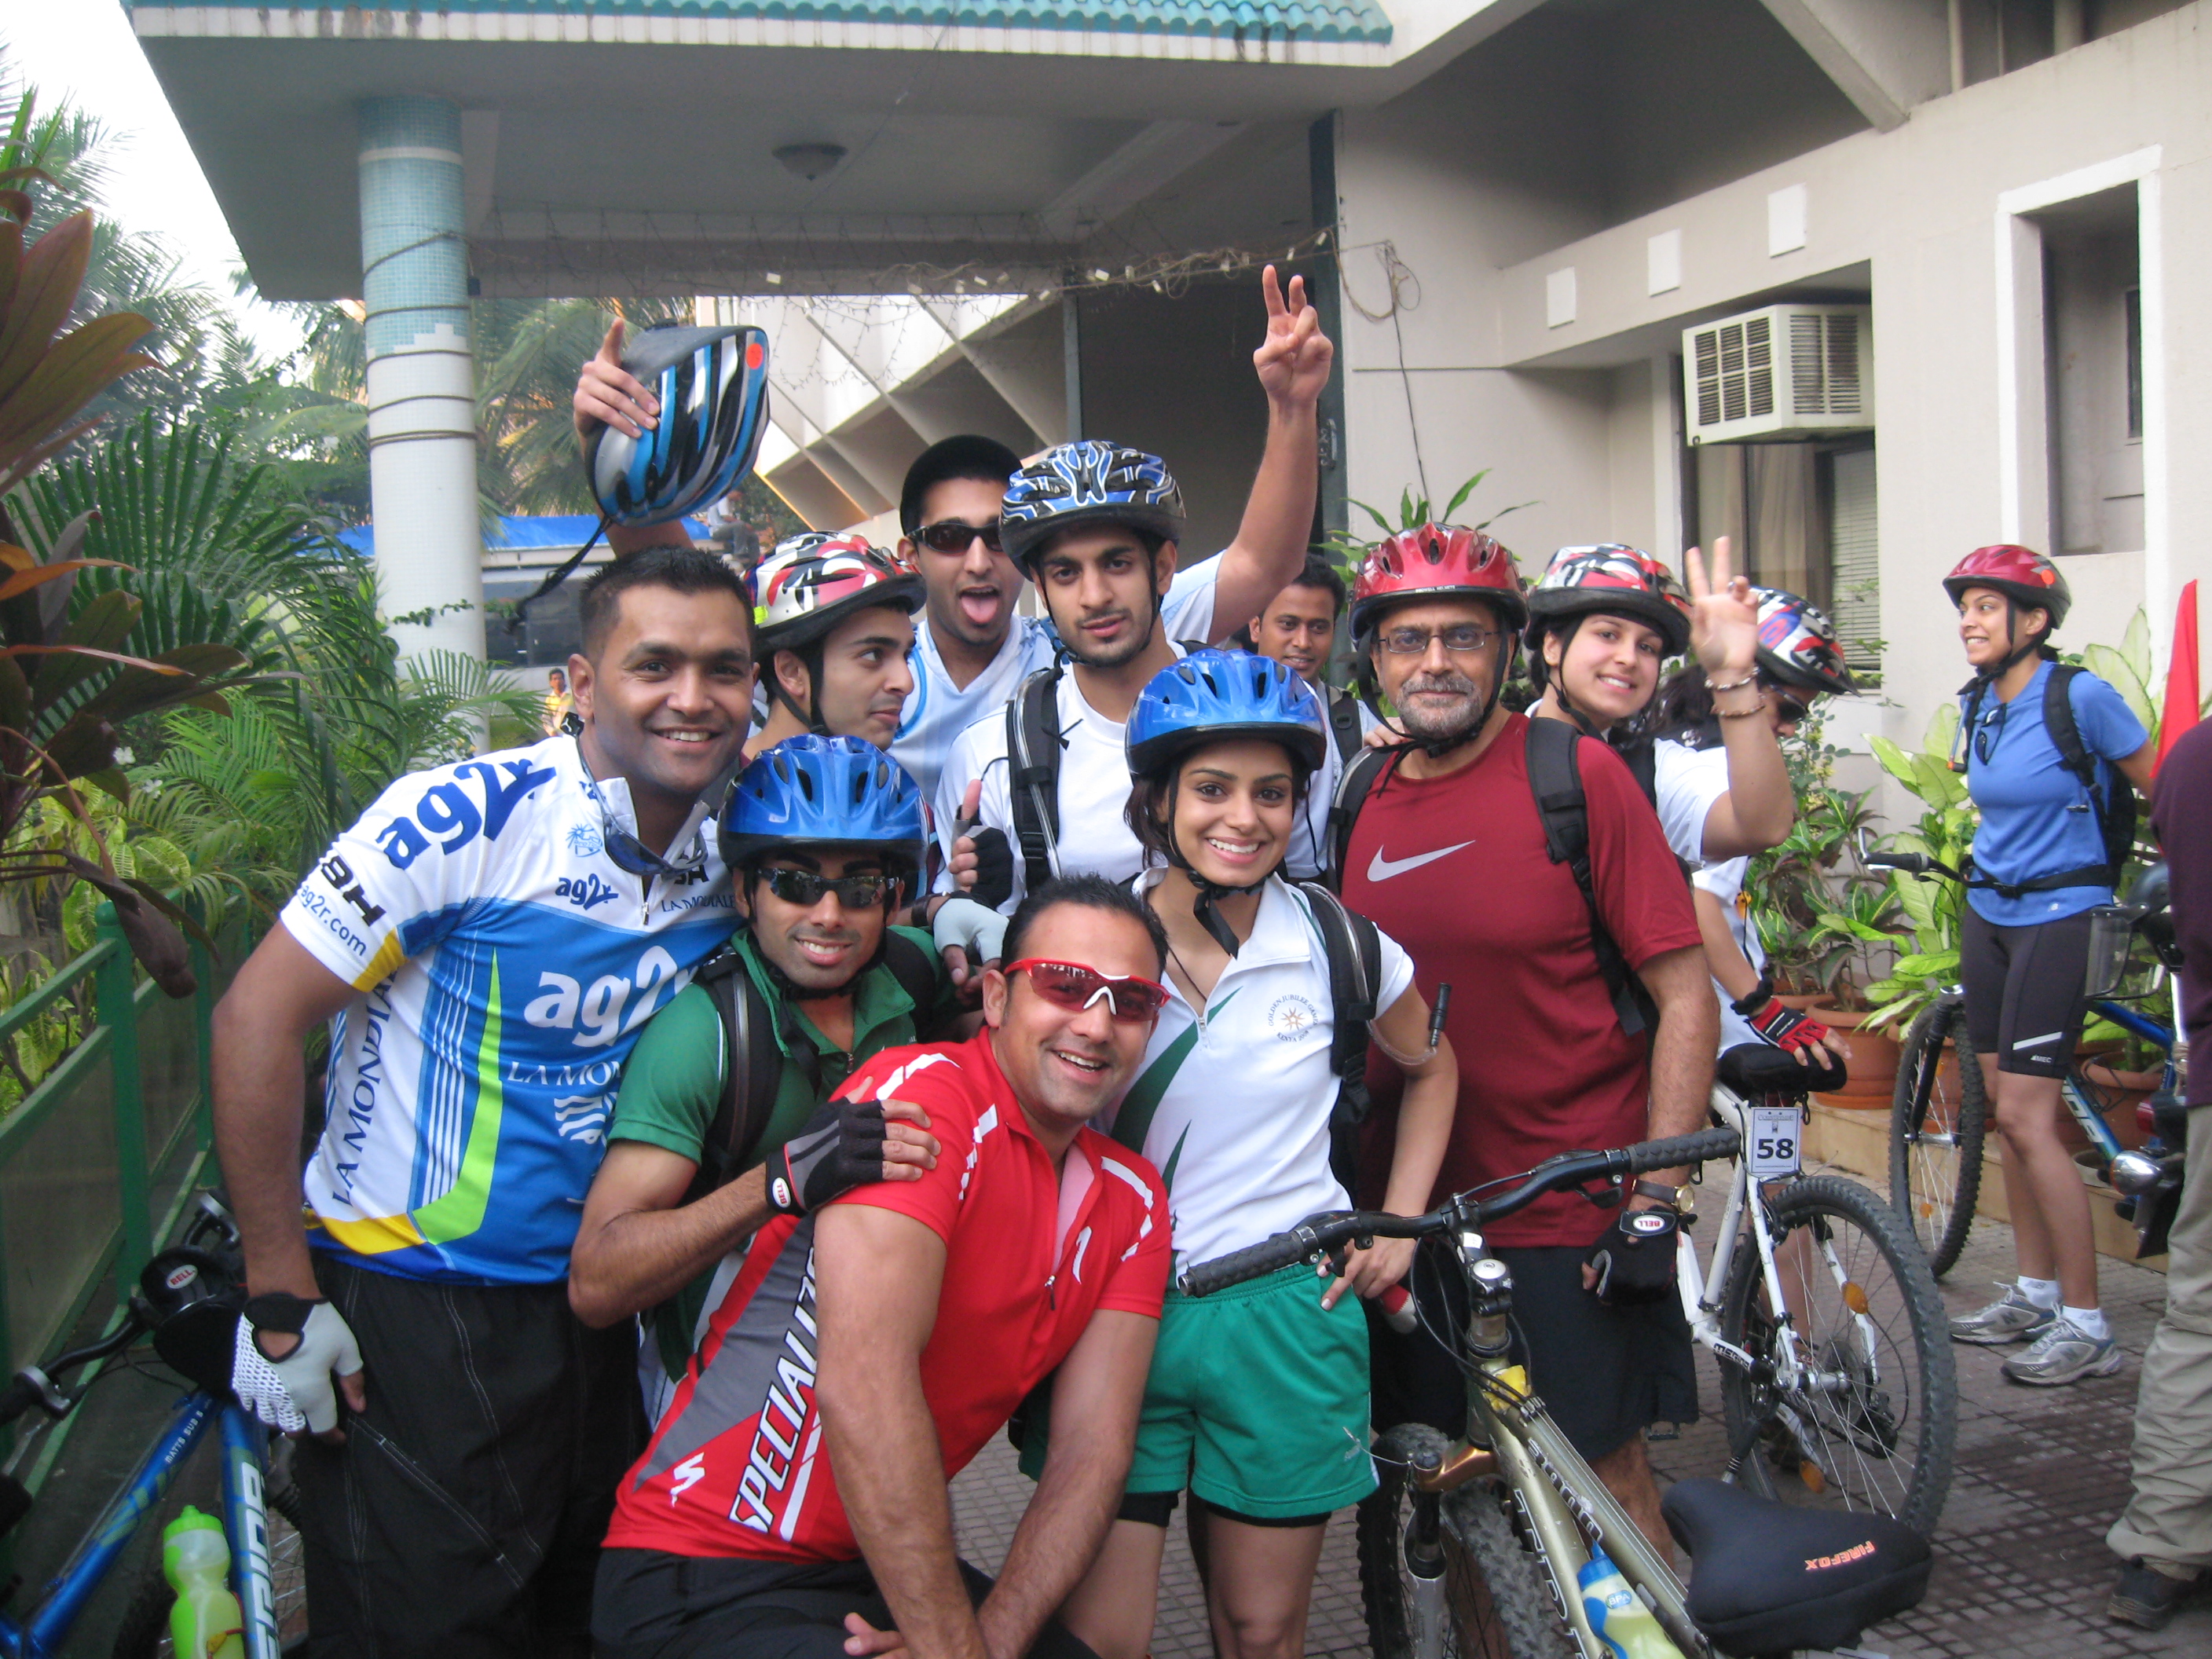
(1566, 414)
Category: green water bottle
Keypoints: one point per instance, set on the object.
(205, 1623)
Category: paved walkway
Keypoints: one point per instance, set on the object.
(2021, 1567)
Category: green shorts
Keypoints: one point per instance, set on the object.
(1257, 1401)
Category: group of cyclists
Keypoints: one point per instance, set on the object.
(732, 1122)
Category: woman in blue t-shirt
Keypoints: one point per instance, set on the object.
(2040, 866)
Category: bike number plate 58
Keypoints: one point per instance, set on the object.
(1774, 1137)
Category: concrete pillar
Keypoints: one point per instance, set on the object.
(422, 381)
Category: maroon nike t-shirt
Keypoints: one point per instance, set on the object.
(1454, 869)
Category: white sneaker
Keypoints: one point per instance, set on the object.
(2011, 1318)
(2064, 1353)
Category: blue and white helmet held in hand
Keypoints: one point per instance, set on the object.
(1211, 696)
(712, 387)
(813, 791)
(1090, 482)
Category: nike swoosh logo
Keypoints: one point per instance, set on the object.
(1382, 869)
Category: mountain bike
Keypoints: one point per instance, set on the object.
(1939, 1113)
(258, 1500)
(1838, 1386)
(1479, 1547)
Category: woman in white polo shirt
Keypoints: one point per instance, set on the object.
(1257, 1399)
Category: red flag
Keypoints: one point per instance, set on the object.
(2182, 696)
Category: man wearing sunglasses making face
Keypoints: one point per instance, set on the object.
(795, 1498)
(823, 835)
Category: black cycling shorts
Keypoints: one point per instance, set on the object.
(2024, 1001)
(651, 1605)
(1605, 1373)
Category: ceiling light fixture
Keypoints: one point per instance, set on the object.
(809, 162)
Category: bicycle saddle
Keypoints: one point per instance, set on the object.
(1753, 1069)
(1770, 1577)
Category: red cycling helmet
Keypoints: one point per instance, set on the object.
(1437, 561)
(1611, 579)
(2021, 573)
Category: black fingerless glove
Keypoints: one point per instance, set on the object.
(994, 868)
(1634, 1258)
(839, 1148)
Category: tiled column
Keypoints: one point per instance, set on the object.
(422, 389)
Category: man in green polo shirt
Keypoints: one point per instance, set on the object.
(823, 835)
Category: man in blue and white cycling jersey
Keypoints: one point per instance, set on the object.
(485, 942)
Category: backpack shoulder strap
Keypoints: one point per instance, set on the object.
(1354, 950)
(1033, 749)
(2065, 730)
(1344, 723)
(1362, 772)
(1642, 755)
(916, 971)
(1555, 779)
(752, 1065)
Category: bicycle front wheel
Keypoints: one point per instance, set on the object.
(1936, 1120)
(1871, 1420)
(1493, 1600)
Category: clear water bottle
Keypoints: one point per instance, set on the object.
(1617, 1614)
(205, 1623)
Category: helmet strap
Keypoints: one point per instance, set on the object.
(809, 658)
(1207, 909)
(1589, 727)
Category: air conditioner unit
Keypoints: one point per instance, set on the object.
(1779, 373)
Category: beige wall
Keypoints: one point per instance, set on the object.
(1567, 415)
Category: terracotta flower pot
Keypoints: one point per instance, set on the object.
(1872, 1059)
(2124, 1092)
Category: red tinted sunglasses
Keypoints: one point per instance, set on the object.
(1070, 985)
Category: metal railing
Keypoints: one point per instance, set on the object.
(97, 1159)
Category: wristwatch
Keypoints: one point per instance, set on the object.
(1681, 1200)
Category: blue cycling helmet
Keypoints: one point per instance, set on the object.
(1214, 694)
(1090, 482)
(712, 387)
(813, 791)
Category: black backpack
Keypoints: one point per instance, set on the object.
(1344, 722)
(1033, 747)
(1555, 780)
(752, 1059)
(1354, 948)
(2115, 808)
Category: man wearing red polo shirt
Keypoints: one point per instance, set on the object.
(793, 1499)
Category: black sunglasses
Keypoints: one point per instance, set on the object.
(951, 536)
(1985, 734)
(805, 889)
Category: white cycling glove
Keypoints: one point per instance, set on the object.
(976, 928)
(295, 1392)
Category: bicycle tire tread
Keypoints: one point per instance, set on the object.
(1929, 1485)
(1474, 1524)
(1916, 1069)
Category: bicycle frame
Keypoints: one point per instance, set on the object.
(1510, 1433)
(245, 1519)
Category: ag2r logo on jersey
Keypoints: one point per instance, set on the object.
(584, 891)
(450, 816)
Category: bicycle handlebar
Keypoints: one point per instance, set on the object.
(1318, 1235)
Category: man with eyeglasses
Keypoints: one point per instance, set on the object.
(1449, 852)
(713, 1137)
(485, 944)
(794, 1499)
